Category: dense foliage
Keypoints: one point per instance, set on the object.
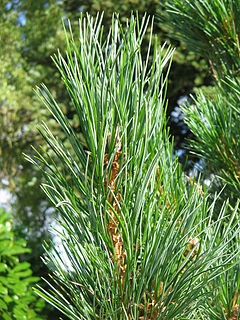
(138, 237)
(212, 28)
(31, 31)
(17, 300)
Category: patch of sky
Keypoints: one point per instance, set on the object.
(181, 152)
(5, 198)
(177, 117)
(13, 4)
(8, 5)
(58, 241)
(22, 18)
(46, 5)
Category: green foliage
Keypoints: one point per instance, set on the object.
(138, 237)
(212, 28)
(25, 51)
(17, 300)
(30, 33)
(216, 128)
(214, 120)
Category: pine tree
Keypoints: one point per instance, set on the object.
(211, 28)
(30, 32)
(138, 237)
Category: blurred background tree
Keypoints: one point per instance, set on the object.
(17, 300)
